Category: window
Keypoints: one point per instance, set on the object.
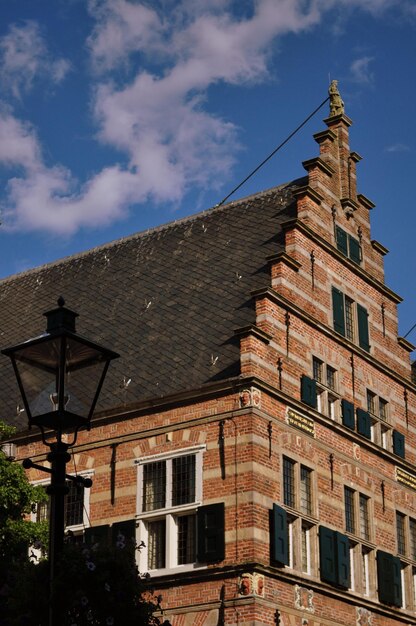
(364, 521)
(357, 503)
(76, 507)
(350, 319)
(348, 245)
(401, 542)
(357, 523)
(378, 408)
(328, 401)
(170, 514)
(296, 526)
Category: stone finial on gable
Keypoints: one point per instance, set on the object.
(336, 104)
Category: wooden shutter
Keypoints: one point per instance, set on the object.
(363, 336)
(125, 533)
(308, 391)
(343, 560)
(389, 578)
(364, 423)
(97, 534)
(327, 555)
(211, 532)
(279, 535)
(342, 242)
(347, 409)
(398, 443)
(338, 311)
(355, 249)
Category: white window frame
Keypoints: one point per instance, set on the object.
(328, 398)
(169, 513)
(75, 528)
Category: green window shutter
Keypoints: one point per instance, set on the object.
(364, 423)
(97, 534)
(211, 533)
(342, 242)
(355, 249)
(279, 535)
(363, 336)
(347, 409)
(398, 443)
(327, 555)
(338, 311)
(343, 560)
(123, 535)
(389, 578)
(308, 391)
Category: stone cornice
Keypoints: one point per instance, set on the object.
(355, 156)
(253, 331)
(379, 247)
(320, 164)
(406, 344)
(306, 190)
(336, 119)
(323, 135)
(283, 257)
(308, 232)
(366, 202)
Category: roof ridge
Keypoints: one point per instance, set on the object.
(144, 233)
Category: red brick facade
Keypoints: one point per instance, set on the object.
(246, 432)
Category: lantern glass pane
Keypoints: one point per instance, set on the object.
(39, 366)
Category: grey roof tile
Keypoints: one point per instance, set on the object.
(168, 300)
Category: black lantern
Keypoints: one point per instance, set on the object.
(60, 373)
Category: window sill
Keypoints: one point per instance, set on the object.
(179, 569)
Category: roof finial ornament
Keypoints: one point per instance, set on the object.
(336, 104)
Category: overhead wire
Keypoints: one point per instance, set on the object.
(305, 121)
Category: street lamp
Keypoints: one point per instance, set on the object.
(60, 375)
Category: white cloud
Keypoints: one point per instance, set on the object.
(174, 51)
(24, 57)
(397, 147)
(360, 70)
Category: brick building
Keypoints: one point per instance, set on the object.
(258, 431)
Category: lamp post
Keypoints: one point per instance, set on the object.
(60, 375)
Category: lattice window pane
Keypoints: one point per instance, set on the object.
(364, 521)
(186, 539)
(349, 319)
(74, 504)
(288, 482)
(371, 402)
(154, 486)
(156, 544)
(401, 539)
(183, 477)
(305, 490)
(330, 377)
(349, 510)
(382, 408)
(412, 534)
(317, 366)
(42, 510)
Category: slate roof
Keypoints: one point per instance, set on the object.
(168, 300)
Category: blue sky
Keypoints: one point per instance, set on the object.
(116, 115)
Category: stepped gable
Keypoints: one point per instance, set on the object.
(168, 300)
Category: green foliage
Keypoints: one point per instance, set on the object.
(98, 586)
(17, 497)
